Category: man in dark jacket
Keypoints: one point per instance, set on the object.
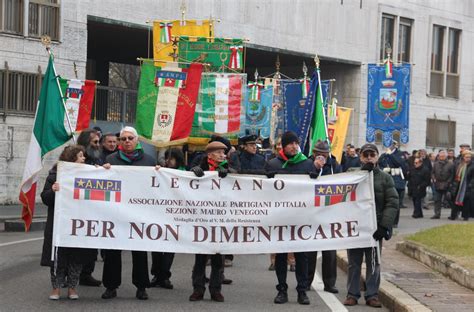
(352, 160)
(290, 160)
(250, 160)
(130, 153)
(419, 178)
(386, 205)
(326, 165)
(108, 145)
(442, 175)
(89, 139)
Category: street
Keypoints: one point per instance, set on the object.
(25, 285)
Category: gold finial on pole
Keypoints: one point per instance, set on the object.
(175, 54)
(256, 75)
(305, 70)
(316, 61)
(75, 69)
(277, 68)
(46, 41)
(388, 50)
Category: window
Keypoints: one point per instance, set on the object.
(444, 78)
(43, 18)
(386, 40)
(19, 91)
(11, 16)
(440, 133)
(404, 40)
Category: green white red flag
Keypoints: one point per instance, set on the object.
(166, 102)
(49, 133)
(78, 98)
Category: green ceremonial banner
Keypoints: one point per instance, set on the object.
(223, 54)
(146, 102)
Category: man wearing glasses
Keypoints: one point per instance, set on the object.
(130, 153)
(386, 205)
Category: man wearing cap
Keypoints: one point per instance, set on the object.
(130, 153)
(214, 160)
(290, 160)
(462, 147)
(250, 160)
(386, 205)
(326, 164)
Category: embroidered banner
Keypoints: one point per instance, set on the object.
(388, 102)
(174, 211)
(258, 114)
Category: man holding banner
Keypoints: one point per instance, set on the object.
(386, 205)
(130, 153)
(290, 160)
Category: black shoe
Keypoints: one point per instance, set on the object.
(109, 293)
(451, 218)
(332, 290)
(141, 294)
(303, 298)
(217, 296)
(226, 281)
(161, 283)
(434, 217)
(281, 297)
(89, 280)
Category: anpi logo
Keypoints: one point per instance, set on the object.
(97, 189)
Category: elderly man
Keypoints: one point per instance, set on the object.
(386, 204)
(290, 160)
(130, 153)
(250, 160)
(442, 176)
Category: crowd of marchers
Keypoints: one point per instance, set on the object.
(449, 178)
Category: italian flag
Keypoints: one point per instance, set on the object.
(221, 103)
(388, 68)
(165, 107)
(78, 98)
(48, 133)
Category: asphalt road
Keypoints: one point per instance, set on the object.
(25, 285)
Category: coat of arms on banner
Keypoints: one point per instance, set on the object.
(164, 119)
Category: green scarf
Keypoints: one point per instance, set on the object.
(293, 160)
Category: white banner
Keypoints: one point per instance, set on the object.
(140, 208)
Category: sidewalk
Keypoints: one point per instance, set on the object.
(432, 289)
(8, 212)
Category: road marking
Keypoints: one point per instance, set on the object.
(329, 299)
(21, 241)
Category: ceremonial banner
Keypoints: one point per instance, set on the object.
(166, 102)
(220, 53)
(174, 211)
(277, 119)
(337, 131)
(388, 102)
(78, 97)
(258, 114)
(164, 30)
(49, 133)
(219, 107)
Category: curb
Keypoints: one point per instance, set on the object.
(17, 225)
(438, 262)
(10, 217)
(392, 297)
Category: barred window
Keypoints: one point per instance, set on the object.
(440, 133)
(43, 18)
(11, 16)
(19, 91)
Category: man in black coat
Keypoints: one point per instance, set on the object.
(130, 153)
(326, 165)
(250, 160)
(290, 160)
(419, 178)
(351, 160)
(108, 145)
(89, 139)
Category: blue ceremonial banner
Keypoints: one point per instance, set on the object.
(258, 114)
(388, 103)
(298, 110)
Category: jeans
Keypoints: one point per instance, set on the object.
(438, 200)
(372, 279)
(301, 272)
(417, 211)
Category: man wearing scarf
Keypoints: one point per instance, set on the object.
(460, 195)
(130, 153)
(290, 160)
(214, 160)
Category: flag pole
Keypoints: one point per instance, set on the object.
(47, 42)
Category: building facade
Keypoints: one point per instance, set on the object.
(91, 39)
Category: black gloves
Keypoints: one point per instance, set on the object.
(368, 166)
(222, 172)
(270, 174)
(313, 175)
(197, 171)
(382, 233)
